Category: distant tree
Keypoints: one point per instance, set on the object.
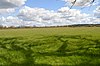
(1, 26)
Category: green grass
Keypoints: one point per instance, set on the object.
(79, 46)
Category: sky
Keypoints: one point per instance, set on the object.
(48, 12)
(47, 4)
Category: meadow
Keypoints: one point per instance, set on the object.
(61, 46)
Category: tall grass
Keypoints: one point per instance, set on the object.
(50, 46)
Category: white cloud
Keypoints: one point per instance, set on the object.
(8, 6)
(80, 2)
(6, 11)
(41, 17)
(11, 3)
(63, 16)
(97, 12)
(15, 21)
(10, 21)
(37, 14)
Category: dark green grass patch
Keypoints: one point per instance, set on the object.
(77, 50)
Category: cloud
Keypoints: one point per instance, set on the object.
(28, 16)
(97, 12)
(11, 3)
(80, 2)
(16, 22)
(6, 11)
(36, 14)
(10, 21)
(8, 6)
(63, 16)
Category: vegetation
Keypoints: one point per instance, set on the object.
(50, 46)
(74, 25)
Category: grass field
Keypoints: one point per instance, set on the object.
(63, 46)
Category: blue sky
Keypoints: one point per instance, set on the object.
(48, 12)
(47, 4)
(55, 5)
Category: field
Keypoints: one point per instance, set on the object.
(62, 46)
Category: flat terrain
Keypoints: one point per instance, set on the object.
(77, 46)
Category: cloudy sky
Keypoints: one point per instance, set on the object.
(48, 12)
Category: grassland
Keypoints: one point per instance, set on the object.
(63, 46)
